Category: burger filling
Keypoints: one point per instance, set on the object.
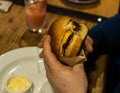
(74, 27)
(65, 45)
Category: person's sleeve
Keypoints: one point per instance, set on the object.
(106, 35)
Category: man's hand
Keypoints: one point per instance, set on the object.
(88, 46)
(63, 79)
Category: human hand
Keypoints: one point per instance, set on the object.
(63, 79)
(88, 46)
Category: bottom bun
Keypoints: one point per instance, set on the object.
(74, 60)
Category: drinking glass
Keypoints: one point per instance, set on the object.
(35, 11)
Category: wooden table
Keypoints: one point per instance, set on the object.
(14, 34)
(103, 8)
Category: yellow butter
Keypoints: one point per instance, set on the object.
(18, 83)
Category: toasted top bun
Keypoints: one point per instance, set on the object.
(67, 36)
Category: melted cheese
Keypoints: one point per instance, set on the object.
(18, 83)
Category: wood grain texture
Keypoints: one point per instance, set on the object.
(105, 8)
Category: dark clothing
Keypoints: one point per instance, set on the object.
(106, 37)
(117, 89)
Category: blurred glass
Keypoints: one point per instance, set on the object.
(35, 14)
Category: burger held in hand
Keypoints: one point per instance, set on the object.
(67, 40)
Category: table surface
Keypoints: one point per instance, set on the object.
(14, 32)
(103, 8)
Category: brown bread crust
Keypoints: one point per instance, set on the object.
(67, 36)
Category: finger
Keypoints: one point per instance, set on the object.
(44, 32)
(88, 48)
(48, 71)
(41, 55)
(88, 44)
(40, 44)
(49, 57)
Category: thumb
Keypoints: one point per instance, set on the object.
(88, 44)
(49, 57)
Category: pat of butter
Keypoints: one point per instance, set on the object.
(18, 83)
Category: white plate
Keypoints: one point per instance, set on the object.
(24, 61)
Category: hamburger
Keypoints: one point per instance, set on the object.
(67, 37)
